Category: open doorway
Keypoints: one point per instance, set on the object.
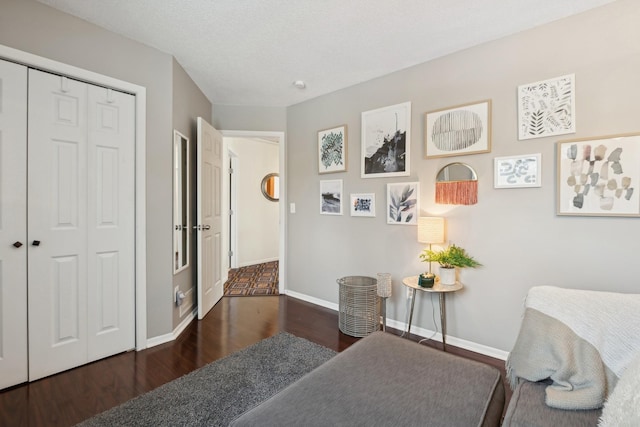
(255, 224)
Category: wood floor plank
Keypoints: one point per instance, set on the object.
(234, 323)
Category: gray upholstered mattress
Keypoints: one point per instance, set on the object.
(527, 409)
(385, 380)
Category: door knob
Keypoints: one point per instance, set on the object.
(206, 227)
(36, 243)
(17, 244)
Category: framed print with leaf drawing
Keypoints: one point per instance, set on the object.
(459, 130)
(599, 176)
(403, 203)
(332, 150)
(547, 108)
(386, 142)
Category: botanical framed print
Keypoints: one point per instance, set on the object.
(386, 142)
(332, 150)
(363, 204)
(331, 197)
(403, 203)
(599, 176)
(547, 108)
(457, 131)
(517, 171)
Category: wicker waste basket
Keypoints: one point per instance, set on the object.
(359, 308)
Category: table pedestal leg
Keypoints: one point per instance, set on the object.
(413, 300)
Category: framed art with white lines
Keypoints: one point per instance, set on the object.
(456, 131)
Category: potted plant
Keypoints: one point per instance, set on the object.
(449, 259)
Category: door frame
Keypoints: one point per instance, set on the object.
(234, 165)
(140, 92)
(282, 252)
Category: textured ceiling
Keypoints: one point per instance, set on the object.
(249, 52)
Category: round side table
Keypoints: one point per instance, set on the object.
(442, 291)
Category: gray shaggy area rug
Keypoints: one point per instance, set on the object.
(220, 391)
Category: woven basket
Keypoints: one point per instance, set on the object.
(359, 306)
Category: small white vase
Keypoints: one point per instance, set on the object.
(447, 276)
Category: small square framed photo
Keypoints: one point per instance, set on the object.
(331, 197)
(517, 171)
(457, 131)
(332, 150)
(403, 203)
(363, 204)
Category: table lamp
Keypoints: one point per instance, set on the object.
(430, 230)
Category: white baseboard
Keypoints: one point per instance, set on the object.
(312, 300)
(152, 342)
(437, 336)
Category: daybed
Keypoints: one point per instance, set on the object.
(576, 351)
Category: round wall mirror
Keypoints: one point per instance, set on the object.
(270, 187)
(457, 184)
(456, 172)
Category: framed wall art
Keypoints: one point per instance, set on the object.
(457, 131)
(363, 204)
(517, 171)
(386, 141)
(599, 176)
(332, 150)
(547, 108)
(403, 203)
(331, 197)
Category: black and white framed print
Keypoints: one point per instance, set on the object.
(386, 141)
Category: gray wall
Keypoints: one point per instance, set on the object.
(514, 232)
(38, 29)
(234, 117)
(188, 104)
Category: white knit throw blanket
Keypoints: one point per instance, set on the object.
(582, 340)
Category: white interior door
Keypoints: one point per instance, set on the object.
(209, 217)
(13, 224)
(80, 223)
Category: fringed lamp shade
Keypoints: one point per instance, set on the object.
(457, 192)
(430, 229)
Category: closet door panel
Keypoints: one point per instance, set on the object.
(57, 223)
(13, 214)
(111, 222)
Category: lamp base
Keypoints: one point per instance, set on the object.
(426, 281)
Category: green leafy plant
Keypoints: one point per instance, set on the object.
(453, 256)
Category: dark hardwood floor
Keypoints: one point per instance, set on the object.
(234, 323)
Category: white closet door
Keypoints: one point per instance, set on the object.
(13, 215)
(81, 211)
(111, 222)
(57, 224)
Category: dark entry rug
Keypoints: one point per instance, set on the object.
(217, 393)
(253, 280)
